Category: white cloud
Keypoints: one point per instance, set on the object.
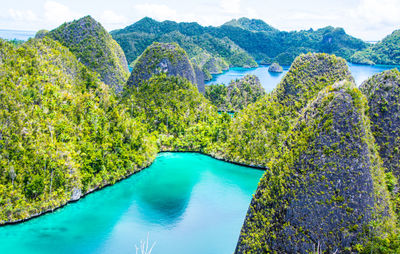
(157, 11)
(22, 15)
(112, 18)
(378, 11)
(57, 13)
(230, 6)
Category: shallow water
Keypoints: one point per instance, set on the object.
(269, 80)
(185, 202)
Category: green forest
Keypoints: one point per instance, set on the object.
(72, 122)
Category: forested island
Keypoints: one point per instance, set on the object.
(74, 120)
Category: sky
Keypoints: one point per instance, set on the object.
(370, 20)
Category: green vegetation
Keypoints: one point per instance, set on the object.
(234, 41)
(275, 67)
(237, 95)
(386, 51)
(212, 54)
(258, 132)
(254, 25)
(305, 201)
(63, 132)
(166, 58)
(94, 47)
(177, 113)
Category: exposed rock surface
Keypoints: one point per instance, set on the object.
(275, 67)
(273, 114)
(163, 58)
(326, 184)
(383, 93)
(95, 48)
(199, 78)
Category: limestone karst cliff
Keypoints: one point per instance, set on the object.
(164, 58)
(325, 188)
(95, 48)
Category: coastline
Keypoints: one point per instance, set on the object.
(48, 211)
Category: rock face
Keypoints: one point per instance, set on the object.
(95, 48)
(199, 78)
(163, 58)
(273, 114)
(324, 187)
(275, 67)
(383, 93)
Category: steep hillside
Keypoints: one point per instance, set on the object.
(94, 47)
(274, 113)
(326, 187)
(383, 93)
(163, 58)
(254, 37)
(200, 46)
(254, 25)
(386, 51)
(173, 107)
(237, 95)
(63, 133)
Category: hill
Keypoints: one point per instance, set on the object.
(164, 58)
(63, 133)
(245, 37)
(237, 95)
(260, 129)
(386, 51)
(306, 201)
(95, 48)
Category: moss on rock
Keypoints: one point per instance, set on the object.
(95, 48)
(166, 58)
(383, 93)
(274, 113)
(325, 190)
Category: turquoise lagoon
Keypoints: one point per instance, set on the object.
(184, 203)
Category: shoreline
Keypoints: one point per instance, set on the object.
(34, 216)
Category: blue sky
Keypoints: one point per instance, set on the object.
(366, 19)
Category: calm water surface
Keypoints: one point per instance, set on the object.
(185, 202)
(269, 80)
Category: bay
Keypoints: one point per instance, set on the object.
(184, 203)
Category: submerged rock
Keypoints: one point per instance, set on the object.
(325, 186)
(275, 67)
(166, 58)
(383, 93)
(95, 48)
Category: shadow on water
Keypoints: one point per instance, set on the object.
(182, 201)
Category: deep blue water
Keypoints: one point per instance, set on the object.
(184, 202)
(269, 80)
(16, 34)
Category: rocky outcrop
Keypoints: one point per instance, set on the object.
(166, 58)
(275, 67)
(200, 77)
(325, 186)
(237, 95)
(41, 33)
(95, 48)
(383, 93)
